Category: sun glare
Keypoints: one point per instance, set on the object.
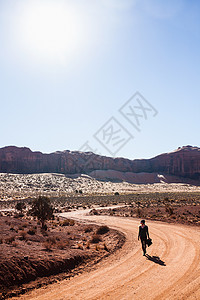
(50, 30)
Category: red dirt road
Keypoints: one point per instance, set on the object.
(129, 275)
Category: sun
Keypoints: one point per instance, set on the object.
(49, 30)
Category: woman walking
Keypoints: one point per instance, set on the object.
(143, 235)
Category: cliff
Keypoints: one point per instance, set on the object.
(184, 162)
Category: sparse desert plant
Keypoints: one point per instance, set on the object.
(88, 245)
(23, 235)
(138, 212)
(68, 222)
(80, 246)
(42, 209)
(94, 212)
(44, 232)
(97, 248)
(96, 239)
(31, 231)
(169, 210)
(10, 240)
(72, 222)
(44, 228)
(20, 206)
(103, 229)
(88, 229)
(14, 244)
(105, 247)
(65, 222)
(62, 244)
(51, 240)
(47, 245)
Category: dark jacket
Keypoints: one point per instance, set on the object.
(143, 232)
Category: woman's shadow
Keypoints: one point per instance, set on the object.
(155, 259)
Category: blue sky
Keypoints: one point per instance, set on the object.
(67, 67)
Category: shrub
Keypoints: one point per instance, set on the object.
(14, 244)
(51, 240)
(44, 232)
(80, 246)
(88, 229)
(103, 229)
(65, 222)
(68, 222)
(105, 247)
(138, 212)
(31, 231)
(116, 193)
(24, 225)
(20, 206)
(62, 244)
(169, 210)
(10, 240)
(72, 222)
(96, 239)
(94, 212)
(97, 248)
(42, 209)
(23, 235)
(47, 245)
(88, 245)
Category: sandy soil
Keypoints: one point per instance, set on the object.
(171, 271)
(31, 257)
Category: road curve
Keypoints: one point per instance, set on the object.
(172, 270)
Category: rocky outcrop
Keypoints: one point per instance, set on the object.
(184, 162)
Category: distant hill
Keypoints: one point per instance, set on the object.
(183, 162)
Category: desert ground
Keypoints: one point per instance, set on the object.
(169, 271)
(113, 267)
(31, 257)
(19, 186)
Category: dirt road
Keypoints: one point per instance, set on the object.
(172, 270)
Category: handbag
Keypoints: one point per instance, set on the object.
(149, 242)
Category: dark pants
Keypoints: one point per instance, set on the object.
(144, 245)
